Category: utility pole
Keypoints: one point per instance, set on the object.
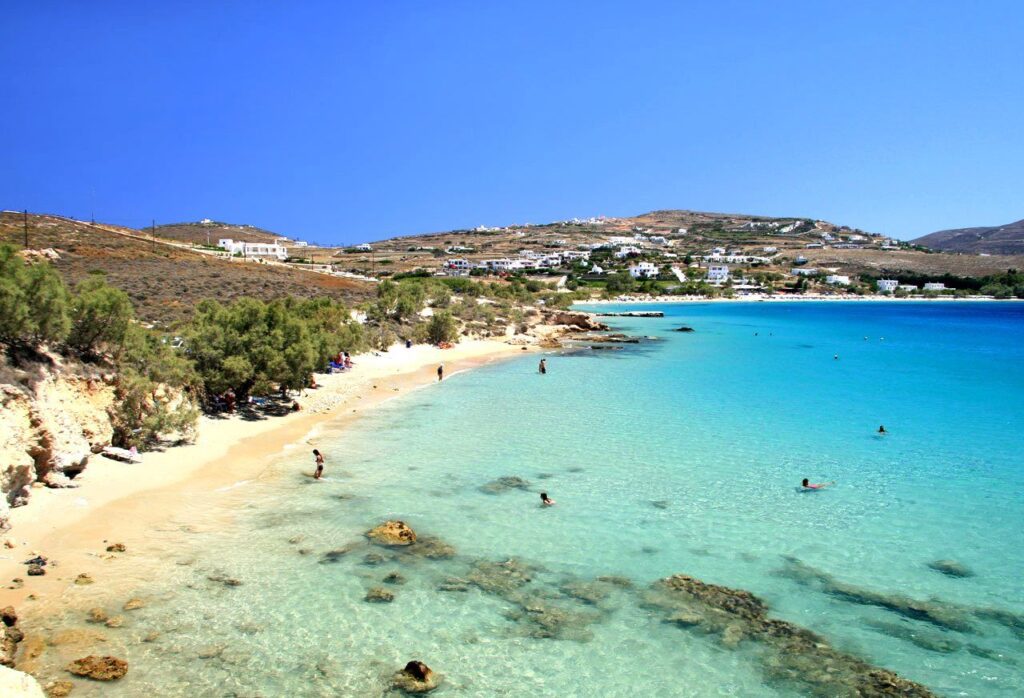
(26, 229)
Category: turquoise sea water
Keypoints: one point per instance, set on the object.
(681, 454)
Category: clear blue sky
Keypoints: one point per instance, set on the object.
(346, 121)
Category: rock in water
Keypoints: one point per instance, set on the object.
(99, 668)
(951, 568)
(83, 579)
(416, 677)
(392, 533)
(116, 548)
(683, 328)
(379, 595)
(504, 484)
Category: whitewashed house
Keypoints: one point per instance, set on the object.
(907, 287)
(718, 273)
(626, 251)
(596, 269)
(837, 280)
(934, 286)
(643, 270)
(803, 271)
(364, 247)
(256, 250)
(886, 285)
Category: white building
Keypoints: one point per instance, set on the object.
(626, 251)
(804, 271)
(769, 250)
(718, 273)
(886, 285)
(364, 248)
(934, 286)
(458, 264)
(907, 287)
(596, 269)
(837, 280)
(643, 270)
(256, 250)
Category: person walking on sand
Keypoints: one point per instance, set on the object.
(319, 464)
(543, 368)
(440, 372)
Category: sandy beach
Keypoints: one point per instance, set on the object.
(118, 502)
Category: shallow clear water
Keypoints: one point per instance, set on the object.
(678, 455)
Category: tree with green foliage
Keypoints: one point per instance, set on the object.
(442, 327)
(100, 317)
(33, 301)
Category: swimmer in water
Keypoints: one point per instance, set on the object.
(543, 368)
(319, 463)
(881, 430)
(545, 500)
(807, 485)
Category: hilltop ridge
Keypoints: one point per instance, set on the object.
(994, 239)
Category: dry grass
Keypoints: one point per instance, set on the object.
(165, 283)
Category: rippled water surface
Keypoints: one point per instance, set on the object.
(681, 454)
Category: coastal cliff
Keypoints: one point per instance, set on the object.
(53, 418)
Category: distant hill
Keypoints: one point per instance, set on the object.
(997, 239)
(165, 281)
(202, 232)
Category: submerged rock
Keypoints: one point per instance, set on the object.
(938, 613)
(222, 578)
(504, 484)
(373, 559)
(116, 548)
(36, 571)
(392, 533)
(99, 668)
(454, 584)
(544, 619)
(416, 677)
(394, 578)
(97, 615)
(133, 604)
(500, 578)
(951, 568)
(683, 328)
(661, 504)
(432, 548)
(379, 595)
(930, 640)
(332, 556)
(83, 579)
(788, 653)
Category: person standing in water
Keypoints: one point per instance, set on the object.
(440, 371)
(319, 464)
(545, 500)
(543, 368)
(881, 429)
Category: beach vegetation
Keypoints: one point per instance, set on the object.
(34, 303)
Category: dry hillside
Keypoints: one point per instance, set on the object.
(997, 239)
(164, 281)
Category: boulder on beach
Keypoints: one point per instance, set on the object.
(99, 668)
(951, 568)
(116, 548)
(9, 616)
(416, 677)
(392, 533)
